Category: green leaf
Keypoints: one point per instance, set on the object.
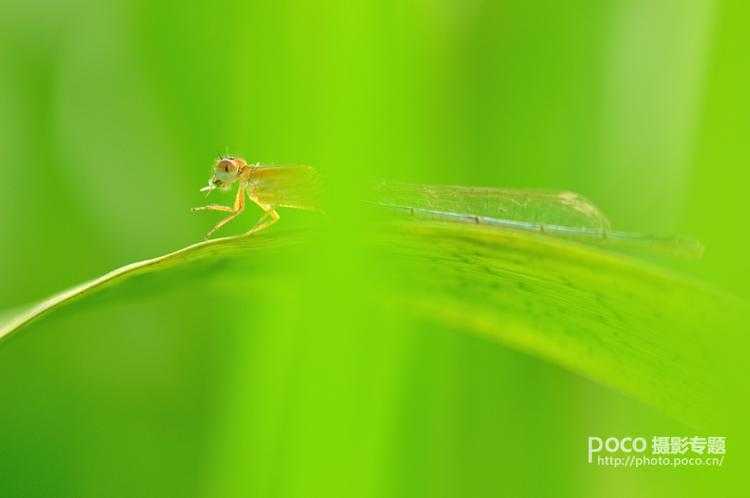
(662, 338)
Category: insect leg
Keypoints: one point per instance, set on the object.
(239, 206)
(212, 207)
(270, 216)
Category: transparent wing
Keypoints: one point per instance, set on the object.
(562, 214)
(531, 206)
(286, 186)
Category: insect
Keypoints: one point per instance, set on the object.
(559, 214)
(269, 187)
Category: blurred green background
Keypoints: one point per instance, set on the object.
(110, 117)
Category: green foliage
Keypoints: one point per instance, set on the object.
(619, 321)
(301, 373)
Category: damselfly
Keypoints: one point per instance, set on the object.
(560, 214)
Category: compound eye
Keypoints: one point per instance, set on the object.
(225, 166)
